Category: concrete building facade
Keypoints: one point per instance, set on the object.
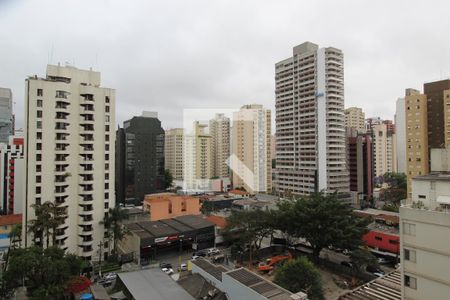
(6, 115)
(251, 165)
(142, 159)
(219, 128)
(173, 152)
(400, 132)
(384, 148)
(354, 118)
(310, 121)
(424, 224)
(12, 176)
(69, 152)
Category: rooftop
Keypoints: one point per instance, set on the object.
(11, 219)
(141, 284)
(238, 192)
(219, 221)
(387, 287)
(441, 176)
(212, 269)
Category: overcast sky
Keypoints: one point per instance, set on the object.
(169, 55)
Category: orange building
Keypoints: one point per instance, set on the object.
(169, 205)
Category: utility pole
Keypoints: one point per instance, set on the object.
(100, 250)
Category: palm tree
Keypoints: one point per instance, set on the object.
(113, 224)
(48, 217)
(15, 236)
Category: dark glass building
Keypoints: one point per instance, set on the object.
(139, 158)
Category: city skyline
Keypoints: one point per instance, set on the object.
(192, 61)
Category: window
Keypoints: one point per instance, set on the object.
(106, 185)
(38, 190)
(409, 229)
(409, 254)
(38, 179)
(38, 157)
(422, 197)
(106, 127)
(39, 103)
(38, 201)
(106, 176)
(38, 168)
(107, 108)
(107, 137)
(106, 156)
(378, 238)
(107, 99)
(39, 124)
(39, 114)
(107, 147)
(410, 282)
(170, 207)
(183, 205)
(38, 146)
(106, 166)
(39, 135)
(106, 205)
(106, 195)
(40, 92)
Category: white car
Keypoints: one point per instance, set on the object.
(213, 251)
(183, 267)
(168, 271)
(110, 276)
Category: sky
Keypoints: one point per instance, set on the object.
(171, 55)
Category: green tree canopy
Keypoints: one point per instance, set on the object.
(46, 271)
(168, 179)
(300, 275)
(362, 258)
(113, 224)
(323, 220)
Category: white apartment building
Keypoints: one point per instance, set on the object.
(173, 152)
(250, 160)
(197, 158)
(384, 149)
(354, 118)
(219, 128)
(310, 121)
(424, 229)
(70, 152)
(400, 132)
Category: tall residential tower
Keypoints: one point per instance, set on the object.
(69, 152)
(6, 115)
(219, 128)
(310, 121)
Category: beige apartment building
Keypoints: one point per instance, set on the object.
(173, 152)
(197, 158)
(384, 148)
(69, 138)
(219, 129)
(447, 118)
(416, 135)
(354, 118)
(310, 121)
(250, 163)
(424, 232)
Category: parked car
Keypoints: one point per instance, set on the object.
(213, 251)
(194, 257)
(165, 265)
(183, 267)
(168, 271)
(375, 271)
(199, 253)
(110, 276)
(382, 260)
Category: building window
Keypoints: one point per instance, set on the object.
(378, 238)
(106, 195)
(106, 147)
(409, 229)
(39, 135)
(38, 190)
(106, 156)
(106, 127)
(410, 282)
(183, 205)
(170, 207)
(409, 254)
(106, 205)
(38, 146)
(106, 185)
(39, 124)
(106, 176)
(106, 118)
(393, 242)
(106, 166)
(107, 108)
(38, 179)
(39, 103)
(107, 137)
(39, 114)
(38, 157)
(422, 197)
(40, 92)
(38, 168)
(107, 99)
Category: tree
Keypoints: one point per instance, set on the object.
(396, 190)
(168, 179)
(15, 236)
(48, 217)
(113, 224)
(247, 229)
(47, 271)
(323, 220)
(362, 258)
(300, 275)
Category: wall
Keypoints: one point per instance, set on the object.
(384, 244)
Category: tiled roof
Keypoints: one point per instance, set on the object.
(11, 220)
(218, 220)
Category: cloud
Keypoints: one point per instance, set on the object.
(166, 56)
